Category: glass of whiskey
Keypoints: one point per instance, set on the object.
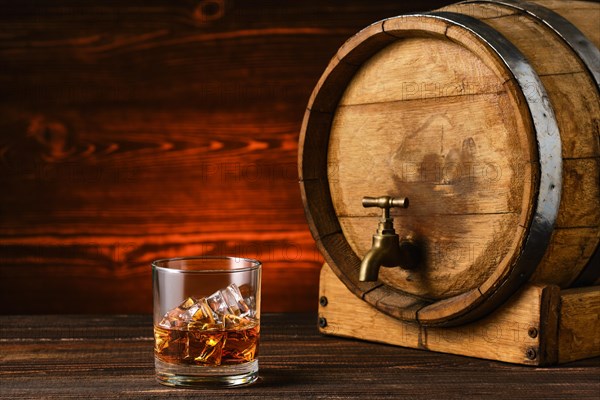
(206, 321)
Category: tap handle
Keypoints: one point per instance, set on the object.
(385, 202)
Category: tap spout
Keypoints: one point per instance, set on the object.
(386, 251)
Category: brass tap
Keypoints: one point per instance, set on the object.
(386, 250)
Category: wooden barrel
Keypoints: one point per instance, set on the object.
(486, 115)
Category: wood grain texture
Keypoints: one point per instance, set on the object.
(575, 11)
(579, 327)
(49, 357)
(137, 130)
(500, 336)
(466, 182)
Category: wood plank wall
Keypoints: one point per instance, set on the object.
(132, 130)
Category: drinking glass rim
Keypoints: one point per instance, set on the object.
(255, 264)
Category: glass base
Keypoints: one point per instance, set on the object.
(201, 376)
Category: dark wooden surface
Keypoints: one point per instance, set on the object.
(111, 357)
(140, 129)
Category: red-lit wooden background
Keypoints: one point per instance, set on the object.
(132, 130)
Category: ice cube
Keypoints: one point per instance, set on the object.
(217, 303)
(177, 317)
(245, 290)
(236, 300)
(237, 322)
(249, 299)
(228, 301)
(187, 303)
(209, 313)
(201, 316)
(251, 303)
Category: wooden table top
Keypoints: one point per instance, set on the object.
(111, 357)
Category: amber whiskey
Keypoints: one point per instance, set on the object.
(210, 347)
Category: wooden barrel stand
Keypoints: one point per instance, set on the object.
(486, 115)
(540, 325)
